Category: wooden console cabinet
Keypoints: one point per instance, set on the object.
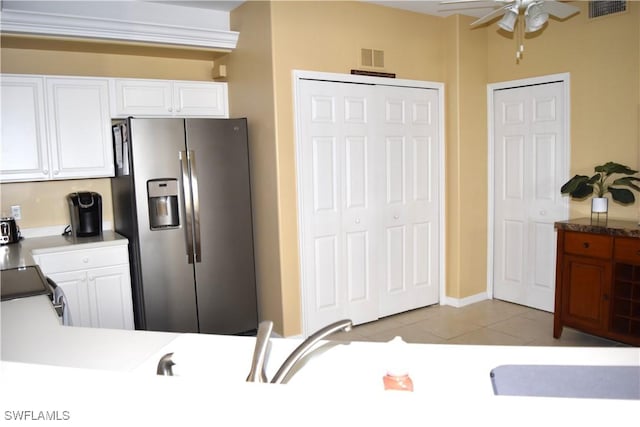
(598, 279)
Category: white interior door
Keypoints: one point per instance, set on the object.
(338, 200)
(530, 164)
(369, 200)
(408, 134)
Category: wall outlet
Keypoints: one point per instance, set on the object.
(16, 212)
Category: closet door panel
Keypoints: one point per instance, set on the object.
(368, 165)
(336, 192)
(409, 125)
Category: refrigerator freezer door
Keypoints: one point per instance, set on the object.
(225, 276)
(168, 287)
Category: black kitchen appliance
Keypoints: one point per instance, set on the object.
(85, 209)
(9, 231)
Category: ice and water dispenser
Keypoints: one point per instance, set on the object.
(163, 203)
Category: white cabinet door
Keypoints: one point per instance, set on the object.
(96, 283)
(192, 99)
(74, 286)
(24, 143)
(141, 97)
(169, 98)
(55, 128)
(80, 128)
(110, 297)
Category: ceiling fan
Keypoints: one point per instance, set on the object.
(535, 14)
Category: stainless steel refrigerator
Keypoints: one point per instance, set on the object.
(181, 196)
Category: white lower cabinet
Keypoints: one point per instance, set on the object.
(96, 283)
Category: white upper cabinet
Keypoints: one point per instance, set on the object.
(168, 98)
(55, 128)
(80, 125)
(24, 145)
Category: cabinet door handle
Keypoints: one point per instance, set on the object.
(585, 245)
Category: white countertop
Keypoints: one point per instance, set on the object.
(20, 254)
(47, 366)
(32, 333)
(85, 371)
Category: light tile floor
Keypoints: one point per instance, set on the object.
(489, 322)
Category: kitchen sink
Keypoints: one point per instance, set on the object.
(596, 382)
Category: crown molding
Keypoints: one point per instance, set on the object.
(60, 25)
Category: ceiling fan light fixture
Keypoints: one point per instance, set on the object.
(535, 17)
(508, 21)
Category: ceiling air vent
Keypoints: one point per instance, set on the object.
(603, 8)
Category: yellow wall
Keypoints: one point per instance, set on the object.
(328, 36)
(43, 203)
(466, 165)
(250, 80)
(603, 59)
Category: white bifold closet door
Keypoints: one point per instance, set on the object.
(369, 200)
(529, 166)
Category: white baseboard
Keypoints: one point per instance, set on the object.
(461, 302)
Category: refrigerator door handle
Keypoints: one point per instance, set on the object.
(186, 196)
(196, 204)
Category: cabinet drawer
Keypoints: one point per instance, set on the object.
(83, 259)
(627, 249)
(587, 244)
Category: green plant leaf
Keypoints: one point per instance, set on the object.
(571, 185)
(622, 195)
(595, 178)
(628, 181)
(612, 167)
(583, 190)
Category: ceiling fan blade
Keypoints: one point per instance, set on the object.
(559, 10)
(475, 1)
(488, 17)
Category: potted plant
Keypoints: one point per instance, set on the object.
(582, 186)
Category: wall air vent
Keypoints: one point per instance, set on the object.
(372, 58)
(603, 8)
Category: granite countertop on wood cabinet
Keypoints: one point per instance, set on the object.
(612, 227)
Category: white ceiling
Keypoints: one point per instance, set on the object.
(471, 8)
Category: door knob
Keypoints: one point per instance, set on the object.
(543, 213)
(357, 220)
(396, 216)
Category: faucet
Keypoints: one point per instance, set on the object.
(257, 375)
(264, 331)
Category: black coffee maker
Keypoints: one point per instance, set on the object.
(85, 209)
